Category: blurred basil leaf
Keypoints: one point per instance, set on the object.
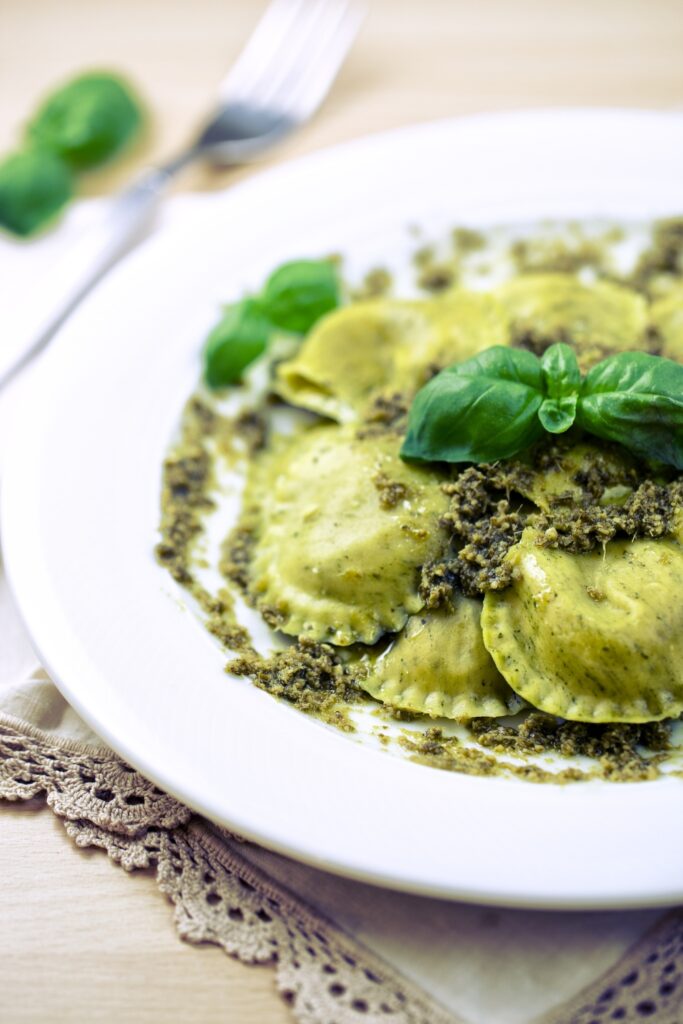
(240, 337)
(297, 294)
(88, 120)
(34, 185)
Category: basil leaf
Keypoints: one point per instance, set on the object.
(483, 409)
(297, 294)
(88, 119)
(562, 380)
(560, 370)
(34, 186)
(636, 399)
(558, 414)
(239, 338)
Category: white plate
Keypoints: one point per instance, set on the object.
(80, 510)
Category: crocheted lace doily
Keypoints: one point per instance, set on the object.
(221, 898)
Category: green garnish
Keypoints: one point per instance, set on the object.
(477, 411)
(82, 124)
(295, 297)
(239, 337)
(34, 185)
(297, 294)
(501, 401)
(88, 120)
(637, 400)
(562, 380)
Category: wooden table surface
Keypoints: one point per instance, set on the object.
(79, 939)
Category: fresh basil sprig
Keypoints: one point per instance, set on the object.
(501, 401)
(82, 124)
(293, 299)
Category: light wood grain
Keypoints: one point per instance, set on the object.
(79, 940)
(415, 60)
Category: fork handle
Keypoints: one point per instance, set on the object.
(83, 264)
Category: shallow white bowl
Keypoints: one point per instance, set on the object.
(80, 510)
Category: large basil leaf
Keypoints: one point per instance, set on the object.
(636, 399)
(483, 409)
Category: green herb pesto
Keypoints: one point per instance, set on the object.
(622, 753)
(567, 498)
(187, 474)
(465, 240)
(188, 483)
(563, 256)
(311, 676)
(376, 284)
(440, 272)
(437, 277)
(376, 573)
(619, 753)
(661, 263)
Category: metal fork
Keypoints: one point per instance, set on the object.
(279, 80)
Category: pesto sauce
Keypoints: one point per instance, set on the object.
(619, 753)
(487, 514)
(324, 682)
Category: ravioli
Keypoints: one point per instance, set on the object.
(597, 319)
(343, 528)
(351, 353)
(386, 344)
(667, 319)
(594, 637)
(439, 666)
(465, 323)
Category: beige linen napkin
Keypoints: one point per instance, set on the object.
(347, 951)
